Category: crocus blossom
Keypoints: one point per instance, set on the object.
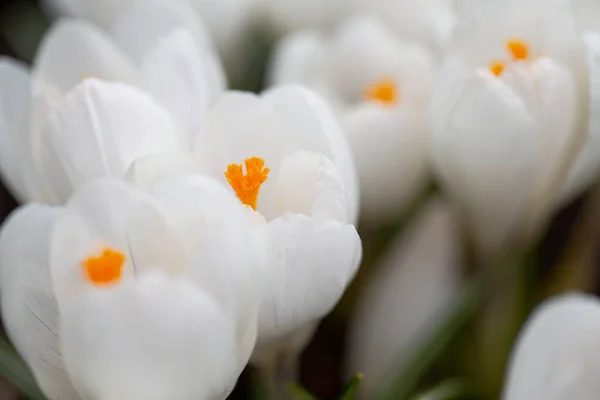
(406, 298)
(508, 114)
(286, 159)
(93, 102)
(379, 86)
(555, 356)
(124, 293)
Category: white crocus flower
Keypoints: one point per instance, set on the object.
(127, 294)
(94, 103)
(406, 297)
(507, 114)
(286, 159)
(427, 22)
(379, 86)
(586, 169)
(556, 354)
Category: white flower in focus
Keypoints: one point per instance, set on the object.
(556, 354)
(405, 298)
(286, 159)
(427, 22)
(507, 114)
(129, 294)
(94, 103)
(379, 86)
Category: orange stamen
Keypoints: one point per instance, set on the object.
(384, 91)
(247, 186)
(105, 268)
(518, 49)
(497, 68)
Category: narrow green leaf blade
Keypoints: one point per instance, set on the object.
(299, 393)
(351, 388)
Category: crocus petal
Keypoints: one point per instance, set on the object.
(173, 73)
(390, 149)
(308, 265)
(15, 157)
(147, 171)
(554, 358)
(297, 58)
(89, 50)
(586, 168)
(29, 308)
(472, 137)
(309, 184)
(102, 13)
(405, 298)
(97, 131)
(152, 338)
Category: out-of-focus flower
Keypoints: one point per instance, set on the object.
(379, 86)
(427, 22)
(286, 159)
(586, 168)
(508, 114)
(555, 357)
(405, 298)
(94, 103)
(130, 294)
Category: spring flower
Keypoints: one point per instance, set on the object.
(555, 356)
(93, 103)
(406, 296)
(427, 22)
(379, 86)
(130, 294)
(507, 115)
(285, 158)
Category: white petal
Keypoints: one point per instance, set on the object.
(173, 73)
(290, 15)
(297, 58)
(99, 130)
(406, 297)
(15, 157)
(102, 13)
(29, 308)
(309, 184)
(147, 171)
(555, 355)
(587, 165)
(315, 128)
(308, 266)
(472, 139)
(390, 149)
(90, 52)
(154, 338)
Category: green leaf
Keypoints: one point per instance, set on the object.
(351, 388)
(16, 372)
(406, 376)
(447, 390)
(299, 393)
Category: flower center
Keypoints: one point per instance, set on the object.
(105, 268)
(517, 49)
(247, 186)
(384, 91)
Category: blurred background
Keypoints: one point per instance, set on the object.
(411, 317)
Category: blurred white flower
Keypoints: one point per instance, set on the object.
(508, 114)
(556, 354)
(285, 157)
(94, 103)
(130, 294)
(427, 22)
(586, 169)
(404, 299)
(379, 86)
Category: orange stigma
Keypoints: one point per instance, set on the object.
(497, 68)
(104, 269)
(384, 91)
(247, 186)
(518, 49)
